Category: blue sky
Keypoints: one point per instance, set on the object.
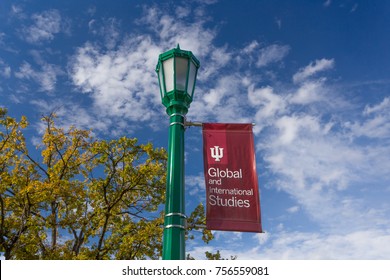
(313, 76)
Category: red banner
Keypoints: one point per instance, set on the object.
(231, 180)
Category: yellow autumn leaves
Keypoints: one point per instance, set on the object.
(77, 197)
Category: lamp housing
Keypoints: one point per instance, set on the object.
(177, 70)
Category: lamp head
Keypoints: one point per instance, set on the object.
(177, 70)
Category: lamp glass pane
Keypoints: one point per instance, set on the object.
(181, 73)
(161, 81)
(168, 74)
(191, 79)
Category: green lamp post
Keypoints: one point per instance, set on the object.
(176, 70)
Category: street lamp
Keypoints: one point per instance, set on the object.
(176, 70)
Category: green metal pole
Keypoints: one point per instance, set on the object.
(175, 219)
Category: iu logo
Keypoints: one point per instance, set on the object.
(216, 153)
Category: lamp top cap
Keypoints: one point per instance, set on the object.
(177, 52)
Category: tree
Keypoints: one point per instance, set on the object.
(82, 198)
(217, 256)
(16, 173)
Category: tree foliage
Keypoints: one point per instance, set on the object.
(217, 256)
(82, 198)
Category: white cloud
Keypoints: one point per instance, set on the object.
(306, 155)
(312, 157)
(278, 22)
(327, 3)
(315, 164)
(384, 106)
(365, 244)
(196, 185)
(291, 126)
(45, 26)
(309, 92)
(224, 88)
(224, 101)
(171, 31)
(376, 123)
(207, 2)
(266, 100)
(198, 251)
(182, 12)
(354, 8)
(108, 29)
(357, 245)
(293, 209)
(73, 114)
(122, 82)
(5, 69)
(313, 68)
(217, 59)
(268, 105)
(376, 127)
(271, 54)
(6, 45)
(46, 78)
(17, 11)
(194, 36)
(251, 47)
